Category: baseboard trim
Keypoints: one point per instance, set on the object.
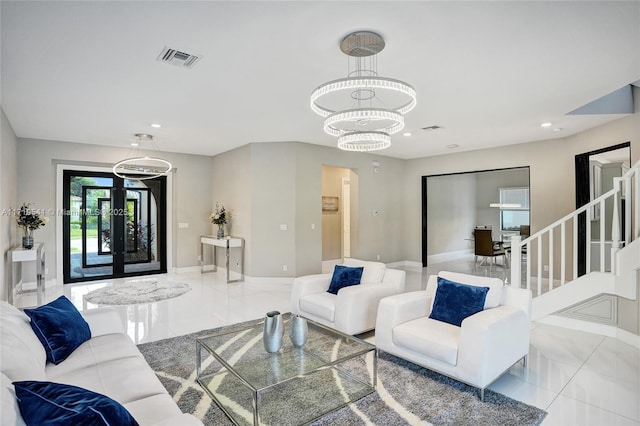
(187, 269)
(234, 275)
(595, 328)
(409, 264)
(448, 256)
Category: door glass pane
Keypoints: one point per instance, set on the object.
(141, 226)
(89, 229)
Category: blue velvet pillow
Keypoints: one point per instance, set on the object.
(454, 301)
(344, 276)
(58, 404)
(59, 327)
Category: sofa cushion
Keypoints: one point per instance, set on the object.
(344, 276)
(495, 285)
(435, 339)
(373, 271)
(60, 404)
(9, 409)
(22, 354)
(454, 301)
(97, 350)
(60, 328)
(124, 379)
(321, 305)
(155, 409)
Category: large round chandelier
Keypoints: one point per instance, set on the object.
(142, 167)
(363, 110)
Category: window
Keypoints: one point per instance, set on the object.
(514, 208)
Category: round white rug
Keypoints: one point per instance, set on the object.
(132, 292)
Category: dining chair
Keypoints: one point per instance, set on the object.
(487, 248)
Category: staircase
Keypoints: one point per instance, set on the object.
(546, 262)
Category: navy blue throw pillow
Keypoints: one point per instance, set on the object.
(50, 403)
(454, 301)
(59, 327)
(344, 276)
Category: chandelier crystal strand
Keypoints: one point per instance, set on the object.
(367, 121)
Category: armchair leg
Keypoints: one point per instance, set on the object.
(524, 360)
(482, 394)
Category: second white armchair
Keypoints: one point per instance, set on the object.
(475, 350)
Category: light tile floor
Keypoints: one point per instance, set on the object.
(579, 378)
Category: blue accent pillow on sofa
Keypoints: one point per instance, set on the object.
(59, 327)
(59, 404)
(344, 276)
(454, 301)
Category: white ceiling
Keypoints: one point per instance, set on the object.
(488, 73)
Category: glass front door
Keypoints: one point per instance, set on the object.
(113, 227)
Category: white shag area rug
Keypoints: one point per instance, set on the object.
(132, 292)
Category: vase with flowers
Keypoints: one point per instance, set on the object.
(219, 217)
(29, 220)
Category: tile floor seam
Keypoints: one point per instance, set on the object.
(576, 373)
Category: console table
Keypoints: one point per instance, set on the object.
(227, 243)
(18, 256)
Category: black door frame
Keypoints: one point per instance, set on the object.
(583, 196)
(118, 222)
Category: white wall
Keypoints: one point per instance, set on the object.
(451, 213)
(552, 179)
(286, 189)
(8, 197)
(37, 163)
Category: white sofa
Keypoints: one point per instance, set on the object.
(109, 363)
(353, 310)
(484, 347)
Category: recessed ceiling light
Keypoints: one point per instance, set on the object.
(453, 145)
(545, 124)
(134, 143)
(156, 125)
(407, 134)
(557, 129)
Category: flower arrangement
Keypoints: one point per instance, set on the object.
(30, 219)
(219, 216)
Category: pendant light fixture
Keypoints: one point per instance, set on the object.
(363, 110)
(142, 167)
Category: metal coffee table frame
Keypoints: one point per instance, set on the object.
(302, 366)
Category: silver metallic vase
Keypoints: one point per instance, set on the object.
(273, 331)
(298, 330)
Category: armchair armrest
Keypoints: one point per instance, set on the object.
(395, 310)
(306, 285)
(105, 321)
(491, 341)
(357, 306)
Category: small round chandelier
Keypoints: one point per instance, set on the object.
(142, 167)
(363, 110)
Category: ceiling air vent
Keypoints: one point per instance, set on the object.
(176, 57)
(431, 128)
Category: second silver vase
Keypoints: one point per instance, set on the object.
(298, 330)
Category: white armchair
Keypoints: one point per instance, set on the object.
(354, 309)
(476, 353)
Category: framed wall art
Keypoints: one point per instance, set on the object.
(330, 204)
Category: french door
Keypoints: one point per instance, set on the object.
(112, 227)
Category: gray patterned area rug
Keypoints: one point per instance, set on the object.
(135, 291)
(407, 394)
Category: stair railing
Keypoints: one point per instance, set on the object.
(538, 250)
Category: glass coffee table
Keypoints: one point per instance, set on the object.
(290, 387)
